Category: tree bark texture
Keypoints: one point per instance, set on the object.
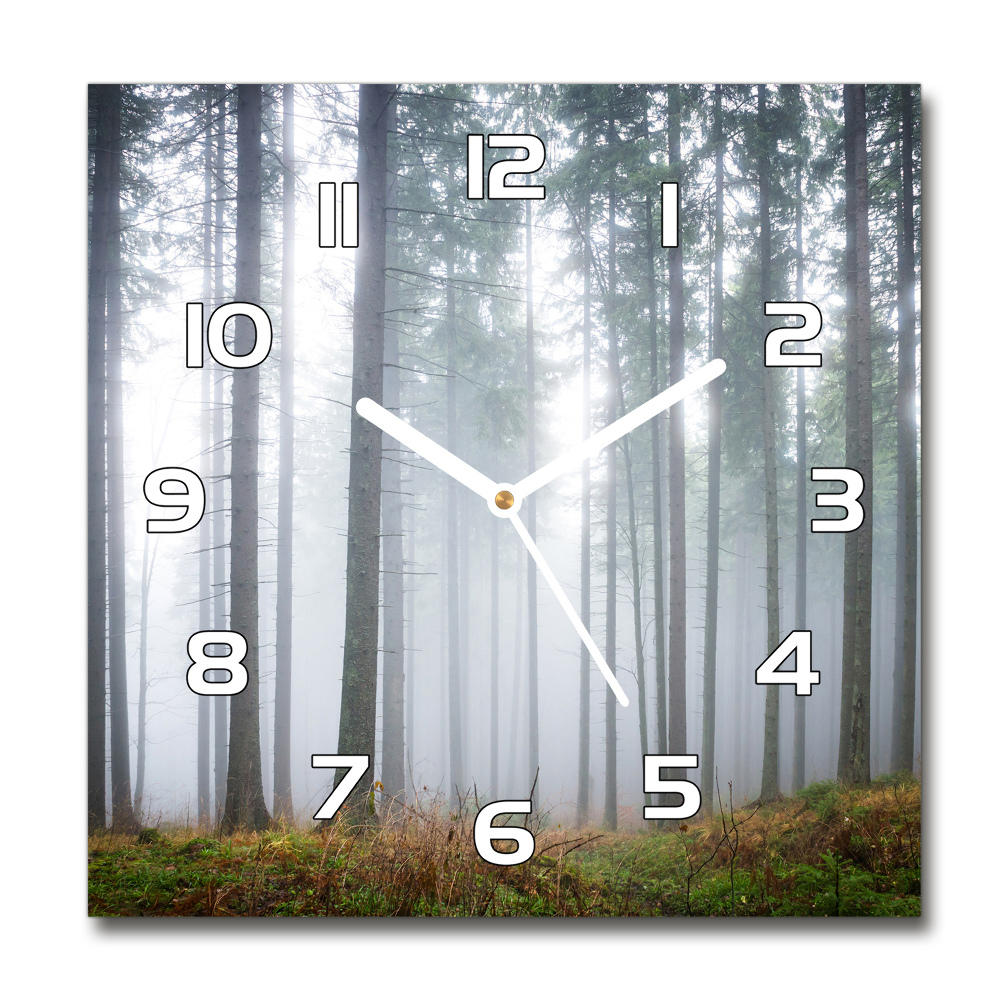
(393, 677)
(245, 806)
(769, 773)
(707, 761)
(905, 668)
(677, 636)
(851, 435)
(860, 751)
(102, 100)
(360, 679)
(286, 473)
(611, 535)
(801, 515)
(122, 816)
(583, 770)
(219, 463)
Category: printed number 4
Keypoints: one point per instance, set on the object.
(803, 677)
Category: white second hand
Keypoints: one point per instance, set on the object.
(568, 608)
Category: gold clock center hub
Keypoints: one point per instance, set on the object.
(504, 500)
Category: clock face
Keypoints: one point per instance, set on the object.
(469, 456)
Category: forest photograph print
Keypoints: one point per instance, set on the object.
(504, 500)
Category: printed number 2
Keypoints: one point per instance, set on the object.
(812, 324)
(499, 189)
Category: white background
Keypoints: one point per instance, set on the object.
(50, 58)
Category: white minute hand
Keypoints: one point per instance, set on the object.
(426, 448)
(571, 459)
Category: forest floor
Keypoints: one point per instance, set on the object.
(831, 850)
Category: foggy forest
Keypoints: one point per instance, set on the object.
(385, 612)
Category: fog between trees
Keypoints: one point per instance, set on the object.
(511, 329)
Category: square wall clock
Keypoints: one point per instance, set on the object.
(504, 500)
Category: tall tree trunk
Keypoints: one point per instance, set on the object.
(495, 658)
(464, 618)
(444, 640)
(677, 736)
(122, 816)
(393, 678)
(851, 434)
(860, 753)
(905, 667)
(245, 806)
(611, 579)
(769, 773)
(102, 99)
(219, 466)
(286, 474)
(205, 527)
(140, 736)
(714, 476)
(801, 530)
(633, 540)
(740, 659)
(358, 699)
(583, 771)
(410, 733)
(530, 520)
(659, 612)
(515, 698)
(455, 679)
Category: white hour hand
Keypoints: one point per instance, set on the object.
(426, 448)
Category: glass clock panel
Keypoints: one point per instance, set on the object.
(504, 500)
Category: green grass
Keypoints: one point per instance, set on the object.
(829, 851)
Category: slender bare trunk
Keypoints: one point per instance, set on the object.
(455, 665)
(851, 435)
(677, 635)
(393, 646)
(102, 100)
(708, 756)
(801, 530)
(611, 536)
(245, 806)
(219, 466)
(140, 735)
(205, 527)
(769, 773)
(122, 816)
(286, 474)
(358, 700)
(529, 520)
(905, 672)
(583, 772)
(495, 657)
(860, 752)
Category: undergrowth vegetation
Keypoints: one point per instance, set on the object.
(832, 850)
